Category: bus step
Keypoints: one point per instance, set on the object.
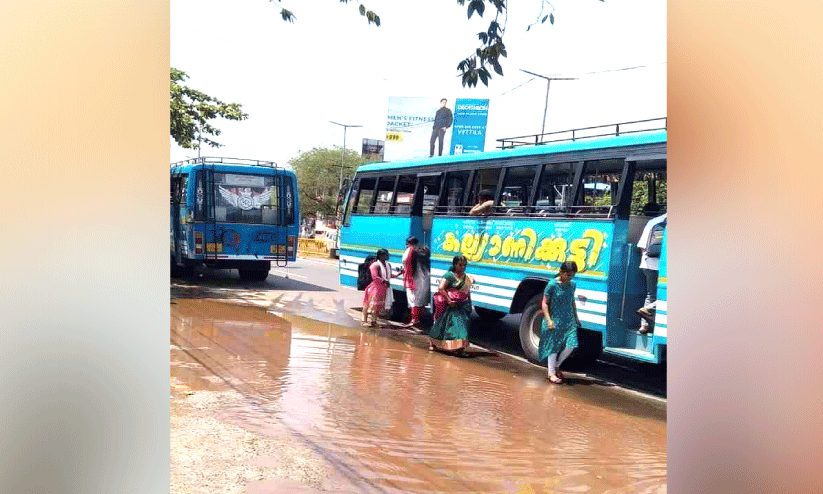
(632, 353)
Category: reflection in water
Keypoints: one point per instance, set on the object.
(391, 417)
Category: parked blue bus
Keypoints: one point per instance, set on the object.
(229, 213)
(580, 199)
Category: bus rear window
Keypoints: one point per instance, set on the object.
(242, 198)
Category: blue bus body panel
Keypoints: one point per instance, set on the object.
(365, 234)
(503, 252)
(653, 137)
(235, 241)
(660, 318)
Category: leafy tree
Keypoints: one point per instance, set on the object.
(192, 110)
(318, 178)
(487, 55)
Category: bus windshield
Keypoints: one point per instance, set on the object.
(251, 199)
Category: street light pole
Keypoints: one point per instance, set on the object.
(548, 83)
(342, 158)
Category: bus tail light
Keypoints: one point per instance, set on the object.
(290, 244)
(198, 242)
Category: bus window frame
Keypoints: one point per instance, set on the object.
(351, 201)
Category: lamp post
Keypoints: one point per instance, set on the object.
(342, 158)
(548, 83)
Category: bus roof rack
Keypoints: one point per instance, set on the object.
(584, 133)
(228, 161)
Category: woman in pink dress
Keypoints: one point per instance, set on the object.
(374, 298)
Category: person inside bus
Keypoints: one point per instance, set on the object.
(485, 201)
(649, 266)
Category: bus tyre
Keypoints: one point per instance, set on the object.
(176, 270)
(253, 274)
(489, 315)
(589, 348)
(530, 323)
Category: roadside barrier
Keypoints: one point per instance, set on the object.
(308, 245)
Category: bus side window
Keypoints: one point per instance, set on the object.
(517, 189)
(350, 203)
(405, 194)
(183, 191)
(430, 189)
(484, 179)
(453, 193)
(385, 193)
(289, 201)
(600, 185)
(649, 188)
(365, 196)
(555, 189)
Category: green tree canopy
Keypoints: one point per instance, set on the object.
(487, 55)
(318, 177)
(192, 111)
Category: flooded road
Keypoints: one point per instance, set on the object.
(374, 412)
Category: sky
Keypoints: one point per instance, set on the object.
(330, 65)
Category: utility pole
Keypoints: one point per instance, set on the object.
(342, 158)
(548, 83)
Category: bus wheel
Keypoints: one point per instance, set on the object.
(589, 347)
(176, 271)
(530, 323)
(253, 274)
(488, 315)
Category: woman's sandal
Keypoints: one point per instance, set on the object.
(555, 380)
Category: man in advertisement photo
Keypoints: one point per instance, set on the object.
(442, 121)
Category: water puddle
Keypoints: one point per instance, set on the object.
(388, 416)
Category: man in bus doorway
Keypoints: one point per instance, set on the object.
(442, 121)
(649, 244)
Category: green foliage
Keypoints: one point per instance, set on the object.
(476, 66)
(192, 111)
(318, 177)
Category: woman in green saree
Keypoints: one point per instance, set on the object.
(452, 308)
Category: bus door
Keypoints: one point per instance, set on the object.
(637, 205)
(426, 200)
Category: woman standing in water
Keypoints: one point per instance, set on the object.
(376, 294)
(452, 308)
(415, 279)
(558, 334)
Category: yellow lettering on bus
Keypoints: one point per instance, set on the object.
(597, 244)
(578, 252)
(532, 236)
(496, 245)
(551, 249)
(450, 243)
(477, 253)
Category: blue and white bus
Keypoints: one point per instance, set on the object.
(580, 199)
(229, 213)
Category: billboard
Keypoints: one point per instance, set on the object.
(409, 127)
(418, 127)
(469, 131)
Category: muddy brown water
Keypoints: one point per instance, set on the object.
(389, 416)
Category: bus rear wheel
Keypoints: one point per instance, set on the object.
(530, 323)
(489, 315)
(255, 271)
(253, 274)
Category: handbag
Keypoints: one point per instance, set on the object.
(655, 244)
